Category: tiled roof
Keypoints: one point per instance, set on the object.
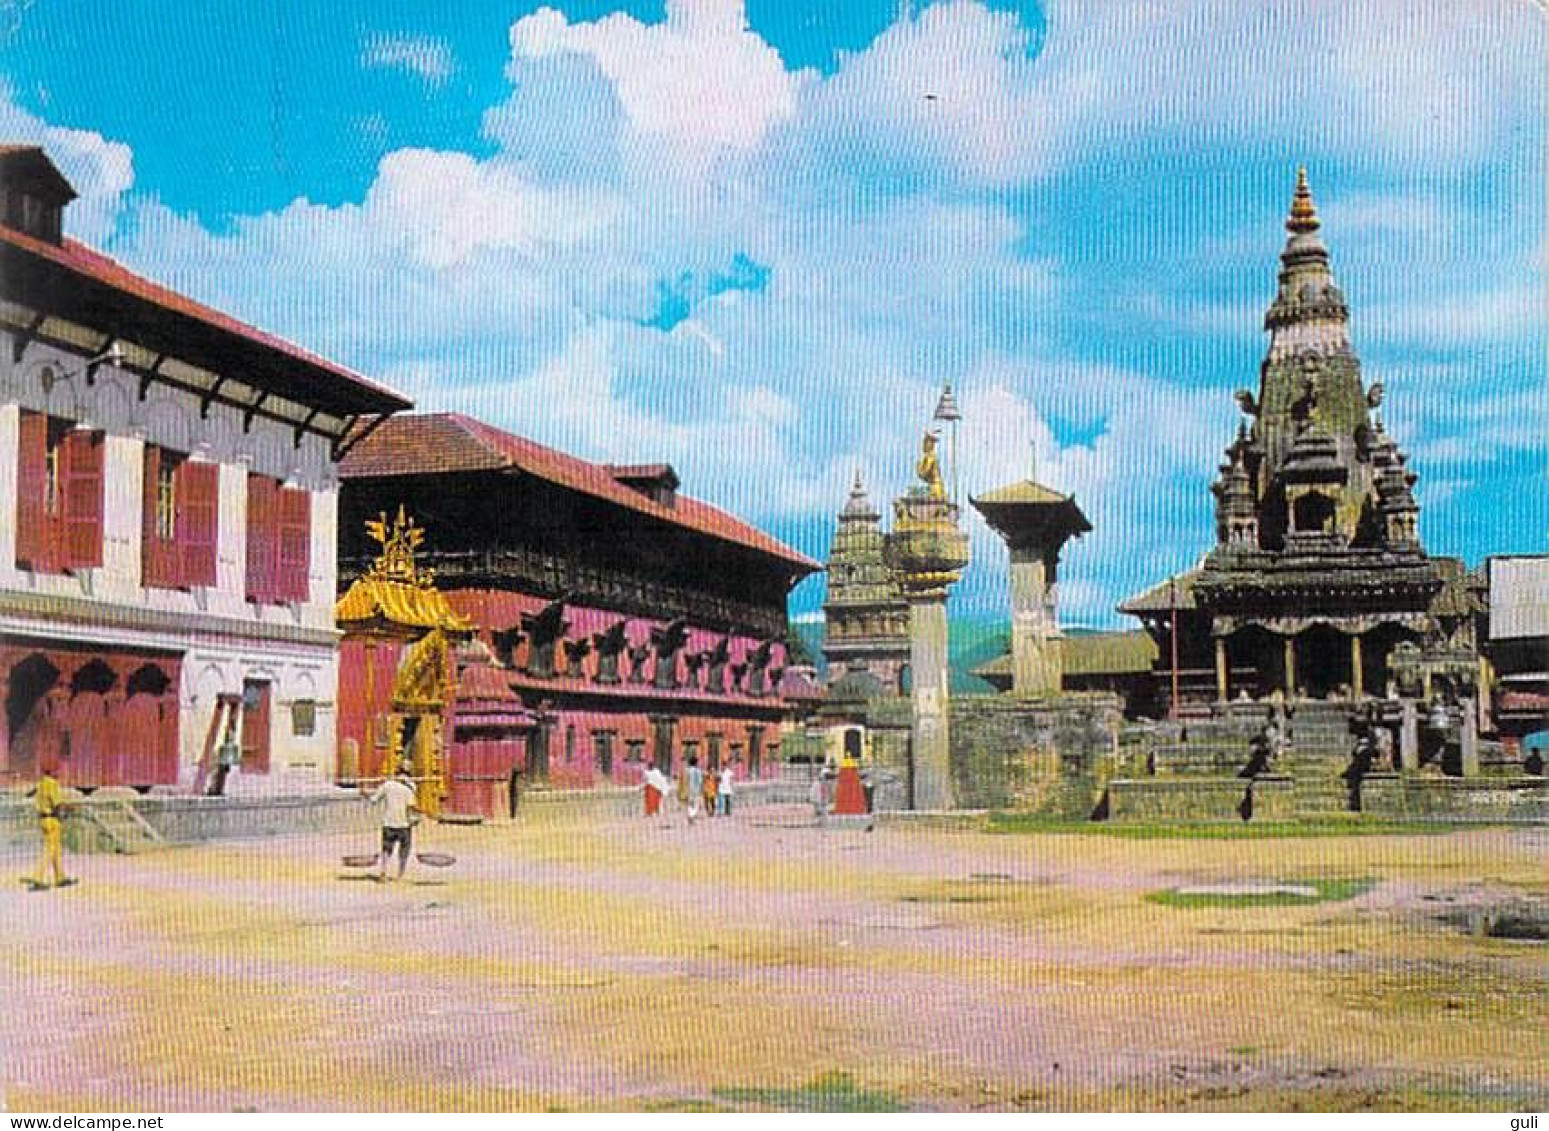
(1159, 598)
(431, 443)
(88, 266)
(1024, 491)
(1026, 509)
(399, 603)
(1090, 654)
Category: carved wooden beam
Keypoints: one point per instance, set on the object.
(209, 398)
(301, 428)
(342, 446)
(252, 411)
(149, 375)
(26, 337)
(101, 360)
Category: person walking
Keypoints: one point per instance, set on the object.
(396, 798)
(723, 793)
(654, 787)
(819, 798)
(694, 778)
(712, 790)
(48, 800)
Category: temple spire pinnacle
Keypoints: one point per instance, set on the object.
(1304, 213)
(859, 504)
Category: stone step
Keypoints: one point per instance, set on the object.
(1321, 795)
(119, 827)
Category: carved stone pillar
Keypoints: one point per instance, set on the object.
(1408, 737)
(928, 552)
(1468, 740)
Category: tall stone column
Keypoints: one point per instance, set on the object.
(1468, 740)
(1036, 663)
(927, 552)
(1035, 522)
(1409, 737)
(930, 693)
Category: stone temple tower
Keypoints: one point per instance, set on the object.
(1318, 576)
(1035, 522)
(866, 614)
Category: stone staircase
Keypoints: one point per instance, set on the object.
(1194, 766)
(111, 824)
(1321, 745)
(1320, 795)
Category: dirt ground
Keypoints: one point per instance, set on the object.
(753, 964)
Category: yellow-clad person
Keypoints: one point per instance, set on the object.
(48, 799)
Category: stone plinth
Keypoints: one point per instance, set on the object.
(927, 553)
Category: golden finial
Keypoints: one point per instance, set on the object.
(399, 541)
(1304, 214)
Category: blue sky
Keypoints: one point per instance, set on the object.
(755, 239)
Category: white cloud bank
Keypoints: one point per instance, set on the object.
(684, 249)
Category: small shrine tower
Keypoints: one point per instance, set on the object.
(1035, 523)
(866, 615)
(397, 673)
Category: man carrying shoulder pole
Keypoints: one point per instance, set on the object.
(395, 797)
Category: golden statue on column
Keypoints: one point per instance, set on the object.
(929, 468)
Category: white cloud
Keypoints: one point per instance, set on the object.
(890, 213)
(1437, 81)
(1461, 319)
(425, 57)
(700, 79)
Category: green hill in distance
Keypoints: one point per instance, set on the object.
(969, 644)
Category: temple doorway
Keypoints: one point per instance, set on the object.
(1255, 662)
(33, 735)
(1323, 662)
(255, 726)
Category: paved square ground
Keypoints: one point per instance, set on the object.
(754, 963)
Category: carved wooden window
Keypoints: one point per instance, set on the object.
(279, 539)
(180, 520)
(59, 495)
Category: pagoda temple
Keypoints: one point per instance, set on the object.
(1318, 585)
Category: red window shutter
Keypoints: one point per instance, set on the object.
(154, 572)
(32, 521)
(295, 531)
(261, 539)
(198, 520)
(82, 462)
